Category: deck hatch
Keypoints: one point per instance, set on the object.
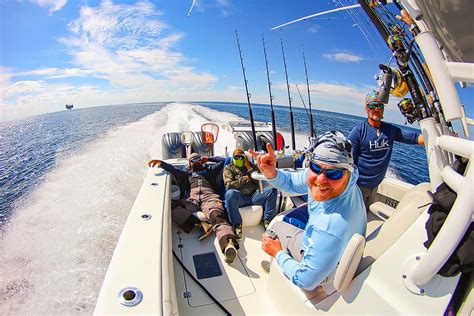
(206, 265)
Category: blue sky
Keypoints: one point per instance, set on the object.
(93, 53)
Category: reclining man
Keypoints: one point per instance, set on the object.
(197, 184)
(242, 190)
(310, 243)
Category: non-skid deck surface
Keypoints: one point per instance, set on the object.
(241, 286)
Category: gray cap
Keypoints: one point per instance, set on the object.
(334, 149)
(194, 155)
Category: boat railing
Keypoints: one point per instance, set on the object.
(459, 218)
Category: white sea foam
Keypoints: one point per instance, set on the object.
(56, 248)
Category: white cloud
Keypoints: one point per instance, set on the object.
(223, 6)
(128, 47)
(51, 5)
(344, 57)
(315, 28)
(336, 91)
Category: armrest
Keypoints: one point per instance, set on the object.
(382, 210)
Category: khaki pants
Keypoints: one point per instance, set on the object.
(290, 238)
(368, 195)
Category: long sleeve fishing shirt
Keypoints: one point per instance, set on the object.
(330, 226)
(372, 149)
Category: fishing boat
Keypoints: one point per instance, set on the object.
(157, 268)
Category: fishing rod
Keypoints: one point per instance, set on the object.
(292, 123)
(311, 128)
(254, 135)
(413, 52)
(304, 105)
(395, 44)
(274, 132)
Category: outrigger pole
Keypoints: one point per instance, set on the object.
(274, 132)
(254, 135)
(311, 128)
(292, 123)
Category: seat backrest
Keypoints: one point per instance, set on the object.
(411, 206)
(349, 262)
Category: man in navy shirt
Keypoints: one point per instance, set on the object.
(372, 143)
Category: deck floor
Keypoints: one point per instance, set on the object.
(242, 286)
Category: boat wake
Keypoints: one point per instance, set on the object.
(59, 241)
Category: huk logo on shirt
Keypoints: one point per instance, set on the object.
(380, 144)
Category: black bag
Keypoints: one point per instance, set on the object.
(462, 259)
(182, 213)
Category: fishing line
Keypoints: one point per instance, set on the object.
(365, 32)
(311, 127)
(271, 96)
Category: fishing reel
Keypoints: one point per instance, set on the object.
(408, 109)
(391, 81)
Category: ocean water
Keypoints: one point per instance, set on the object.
(68, 181)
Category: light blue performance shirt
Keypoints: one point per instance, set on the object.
(330, 226)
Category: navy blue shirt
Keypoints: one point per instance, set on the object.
(372, 152)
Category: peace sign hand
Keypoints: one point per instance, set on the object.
(266, 162)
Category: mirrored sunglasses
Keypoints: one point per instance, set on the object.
(195, 159)
(374, 105)
(331, 174)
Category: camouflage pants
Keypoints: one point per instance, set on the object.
(212, 207)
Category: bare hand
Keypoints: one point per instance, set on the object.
(204, 159)
(271, 246)
(266, 162)
(154, 163)
(248, 166)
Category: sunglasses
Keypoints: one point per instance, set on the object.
(195, 159)
(374, 105)
(331, 174)
(239, 157)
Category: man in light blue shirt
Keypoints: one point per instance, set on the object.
(310, 243)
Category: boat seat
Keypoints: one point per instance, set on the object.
(338, 280)
(342, 276)
(349, 262)
(411, 206)
(251, 215)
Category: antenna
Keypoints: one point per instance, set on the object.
(191, 9)
(316, 14)
(254, 135)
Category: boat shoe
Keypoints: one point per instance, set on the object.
(206, 230)
(238, 231)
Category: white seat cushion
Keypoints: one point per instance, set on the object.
(349, 262)
(251, 215)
